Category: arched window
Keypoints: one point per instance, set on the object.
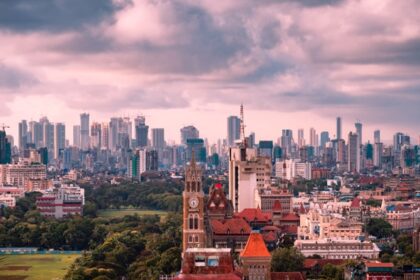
(198, 187)
(195, 238)
(191, 221)
(190, 239)
(195, 221)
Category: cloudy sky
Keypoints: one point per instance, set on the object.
(294, 64)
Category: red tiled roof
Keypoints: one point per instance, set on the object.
(290, 229)
(287, 276)
(290, 217)
(254, 214)
(310, 263)
(269, 236)
(270, 228)
(379, 264)
(230, 276)
(255, 247)
(355, 203)
(234, 225)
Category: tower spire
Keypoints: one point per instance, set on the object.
(192, 161)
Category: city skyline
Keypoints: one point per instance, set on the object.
(175, 133)
(193, 62)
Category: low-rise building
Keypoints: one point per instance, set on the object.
(62, 202)
(338, 249)
(7, 200)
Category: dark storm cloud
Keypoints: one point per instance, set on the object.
(12, 78)
(54, 15)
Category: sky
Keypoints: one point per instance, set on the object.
(293, 64)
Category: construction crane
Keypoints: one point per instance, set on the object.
(3, 126)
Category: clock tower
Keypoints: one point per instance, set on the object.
(193, 232)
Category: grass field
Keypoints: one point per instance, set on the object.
(35, 267)
(118, 213)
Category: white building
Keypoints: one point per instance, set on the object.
(7, 200)
(292, 168)
(247, 174)
(62, 202)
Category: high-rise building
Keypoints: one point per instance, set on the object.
(158, 138)
(189, 132)
(105, 136)
(233, 130)
(96, 135)
(76, 136)
(142, 131)
(359, 127)
(5, 149)
(325, 137)
(353, 153)
(313, 138)
(59, 139)
(377, 136)
(286, 142)
(48, 136)
(251, 140)
(196, 145)
(36, 133)
(377, 154)
(265, 148)
(23, 135)
(339, 135)
(341, 151)
(301, 138)
(84, 131)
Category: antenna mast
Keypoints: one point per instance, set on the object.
(243, 138)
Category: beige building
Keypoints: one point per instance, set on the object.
(18, 174)
(342, 249)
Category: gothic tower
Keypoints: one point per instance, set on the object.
(193, 231)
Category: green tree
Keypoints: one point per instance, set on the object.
(379, 228)
(287, 259)
(330, 271)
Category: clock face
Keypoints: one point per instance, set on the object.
(193, 202)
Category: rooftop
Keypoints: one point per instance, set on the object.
(255, 247)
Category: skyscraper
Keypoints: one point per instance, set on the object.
(105, 136)
(233, 130)
(313, 137)
(158, 138)
(377, 136)
(84, 131)
(5, 149)
(96, 135)
(142, 131)
(23, 135)
(76, 136)
(301, 139)
(325, 137)
(36, 133)
(353, 154)
(286, 142)
(359, 126)
(48, 136)
(377, 154)
(339, 135)
(189, 132)
(59, 139)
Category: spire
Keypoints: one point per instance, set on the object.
(192, 161)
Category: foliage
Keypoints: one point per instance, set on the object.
(379, 228)
(373, 203)
(287, 259)
(330, 271)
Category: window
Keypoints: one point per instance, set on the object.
(213, 261)
(191, 221)
(200, 261)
